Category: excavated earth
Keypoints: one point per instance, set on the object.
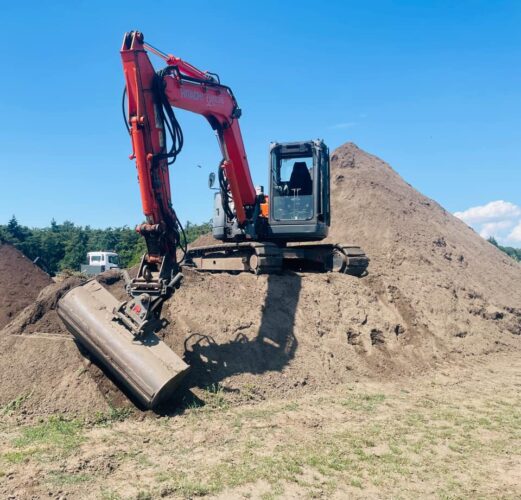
(436, 293)
(20, 282)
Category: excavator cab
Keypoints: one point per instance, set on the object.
(299, 191)
(297, 207)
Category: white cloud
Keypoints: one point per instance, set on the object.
(493, 228)
(493, 211)
(500, 219)
(515, 234)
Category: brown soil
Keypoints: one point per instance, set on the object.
(20, 282)
(436, 292)
(456, 292)
(204, 240)
(40, 315)
(43, 366)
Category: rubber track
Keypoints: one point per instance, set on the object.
(269, 256)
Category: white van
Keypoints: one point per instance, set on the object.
(98, 262)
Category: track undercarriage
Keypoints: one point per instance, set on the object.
(269, 258)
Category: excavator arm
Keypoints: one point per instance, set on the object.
(179, 85)
(122, 336)
(151, 95)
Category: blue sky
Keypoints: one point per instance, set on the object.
(434, 88)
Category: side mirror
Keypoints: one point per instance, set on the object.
(211, 180)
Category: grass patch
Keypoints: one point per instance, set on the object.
(112, 415)
(347, 442)
(385, 453)
(215, 397)
(64, 478)
(55, 437)
(136, 456)
(110, 495)
(356, 483)
(363, 402)
(56, 432)
(212, 398)
(15, 404)
(17, 457)
(188, 488)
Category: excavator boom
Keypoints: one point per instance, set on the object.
(180, 85)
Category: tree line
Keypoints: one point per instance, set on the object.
(61, 247)
(515, 253)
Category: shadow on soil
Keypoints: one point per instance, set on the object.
(271, 350)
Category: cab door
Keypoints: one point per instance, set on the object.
(299, 191)
(324, 201)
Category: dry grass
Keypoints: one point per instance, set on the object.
(456, 436)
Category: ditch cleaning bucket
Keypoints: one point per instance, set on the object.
(146, 366)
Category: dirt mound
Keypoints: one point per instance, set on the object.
(41, 315)
(262, 336)
(436, 292)
(44, 369)
(424, 261)
(204, 240)
(20, 282)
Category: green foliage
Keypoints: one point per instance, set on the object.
(55, 431)
(515, 253)
(193, 231)
(113, 415)
(75, 250)
(60, 247)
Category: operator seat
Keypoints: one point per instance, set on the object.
(300, 179)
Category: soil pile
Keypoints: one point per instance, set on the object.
(40, 362)
(205, 240)
(44, 370)
(441, 276)
(436, 292)
(20, 282)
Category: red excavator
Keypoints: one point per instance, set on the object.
(260, 233)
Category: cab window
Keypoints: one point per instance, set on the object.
(293, 188)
